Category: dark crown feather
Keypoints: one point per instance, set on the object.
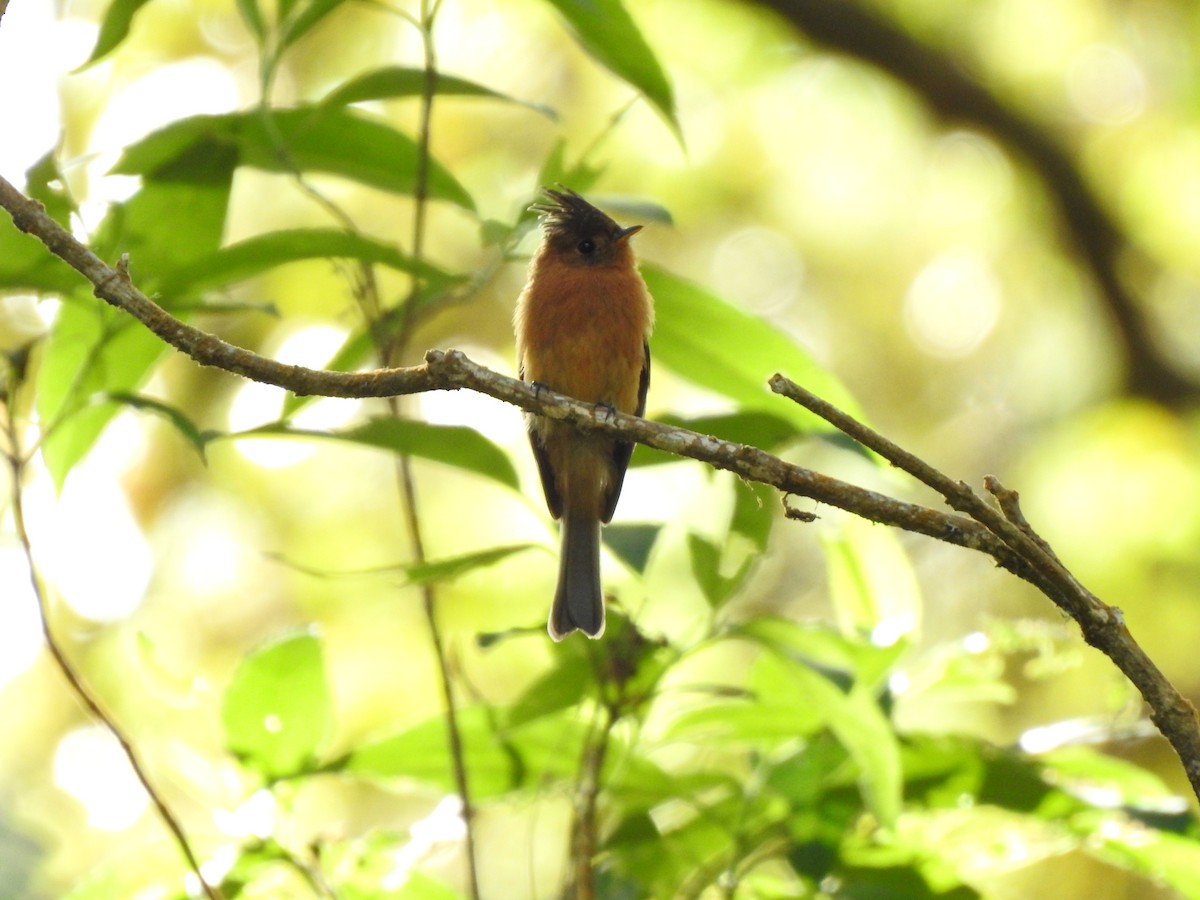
(565, 211)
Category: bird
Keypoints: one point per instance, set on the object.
(582, 324)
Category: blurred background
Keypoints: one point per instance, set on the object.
(921, 259)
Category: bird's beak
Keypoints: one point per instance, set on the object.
(628, 232)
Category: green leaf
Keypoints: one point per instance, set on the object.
(276, 710)
(172, 414)
(25, 263)
(563, 687)
(894, 883)
(498, 761)
(307, 138)
(253, 17)
(728, 351)
(860, 726)
(631, 542)
(1136, 787)
(871, 582)
(256, 255)
(853, 715)
(605, 30)
(456, 566)
(765, 430)
(1169, 859)
(580, 177)
(454, 445)
(44, 182)
(114, 28)
(821, 647)
(402, 81)
(92, 350)
(752, 515)
(311, 13)
(176, 218)
(706, 565)
(749, 720)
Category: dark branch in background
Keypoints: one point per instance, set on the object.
(1001, 533)
(848, 27)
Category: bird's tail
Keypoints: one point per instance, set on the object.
(578, 602)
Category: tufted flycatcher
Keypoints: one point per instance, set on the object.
(582, 323)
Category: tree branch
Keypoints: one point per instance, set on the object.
(1001, 533)
(1103, 626)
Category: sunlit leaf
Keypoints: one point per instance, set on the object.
(256, 255)
(498, 762)
(454, 445)
(871, 581)
(401, 81)
(1129, 784)
(749, 721)
(114, 28)
(856, 720)
(276, 711)
(92, 351)
(329, 139)
(605, 29)
(728, 351)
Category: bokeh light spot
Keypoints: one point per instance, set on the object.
(953, 304)
(90, 766)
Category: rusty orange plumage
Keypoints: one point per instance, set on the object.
(582, 324)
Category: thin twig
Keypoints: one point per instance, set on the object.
(79, 687)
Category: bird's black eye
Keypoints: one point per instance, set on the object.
(587, 247)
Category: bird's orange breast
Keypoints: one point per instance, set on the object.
(581, 331)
